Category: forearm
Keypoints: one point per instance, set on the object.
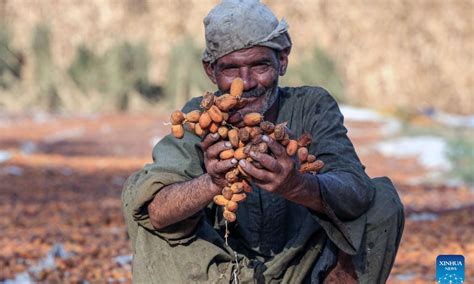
(176, 202)
(348, 194)
(305, 190)
(348, 197)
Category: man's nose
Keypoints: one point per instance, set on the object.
(249, 81)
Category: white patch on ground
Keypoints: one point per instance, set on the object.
(430, 150)
(455, 182)
(28, 148)
(390, 126)
(406, 276)
(123, 260)
(45, 263)
(359, 114)
(420, 217)
(5, 156)
(454, 120)
(11, 170)
(65, 135)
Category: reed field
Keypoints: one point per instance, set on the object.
(107, 55)
(87, 88)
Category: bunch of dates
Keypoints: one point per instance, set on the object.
(213, 117)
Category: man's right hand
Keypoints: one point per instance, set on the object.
(216, 169)
(179, 201)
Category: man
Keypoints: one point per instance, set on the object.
(336, 227)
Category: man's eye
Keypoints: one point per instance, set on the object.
(261, 68)
(230, 71)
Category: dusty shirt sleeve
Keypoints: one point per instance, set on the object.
(174, 161)
(345, 186)
(346, 190)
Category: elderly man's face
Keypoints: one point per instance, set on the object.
(259, 67)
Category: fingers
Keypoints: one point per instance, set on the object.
(251, 170)
(214, 150)
(224, 166)
(209, 140)
(277, 149)
(235, 118)
(266, 161)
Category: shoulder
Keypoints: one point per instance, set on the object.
(307, 95)
(192, 104)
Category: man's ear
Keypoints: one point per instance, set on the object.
(209, 69)
(283, 58)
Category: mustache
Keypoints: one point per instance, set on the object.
(254, 93)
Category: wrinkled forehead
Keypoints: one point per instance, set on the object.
(248, 56)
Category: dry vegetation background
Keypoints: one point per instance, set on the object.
(391, 54)
(61, 173)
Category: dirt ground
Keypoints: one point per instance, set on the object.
(61, 212)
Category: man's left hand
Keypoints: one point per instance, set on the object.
(278, 175)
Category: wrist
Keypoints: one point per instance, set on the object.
(213, 188)
(305, 191)
(294, 184)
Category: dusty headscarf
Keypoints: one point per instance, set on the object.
(239, 24)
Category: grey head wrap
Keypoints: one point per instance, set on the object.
(239, 24)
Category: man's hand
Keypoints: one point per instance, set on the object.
(279, 173)
(215, 168)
